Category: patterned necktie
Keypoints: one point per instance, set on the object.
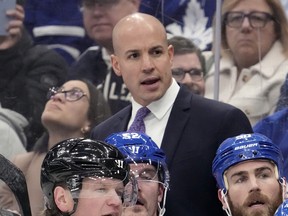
(138, 123)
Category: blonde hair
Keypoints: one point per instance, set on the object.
(281, 23)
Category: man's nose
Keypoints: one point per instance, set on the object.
(114, 199)
(254, 184)
(187, 79)
(147, 63)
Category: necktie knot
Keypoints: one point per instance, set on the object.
(138, 123)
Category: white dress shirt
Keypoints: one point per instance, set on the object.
(156, 121)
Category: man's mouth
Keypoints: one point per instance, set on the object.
(139, 202)
(255, 203)
(150, 81)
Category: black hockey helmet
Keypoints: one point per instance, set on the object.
(72, 160)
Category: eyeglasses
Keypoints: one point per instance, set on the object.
(70, 95)
(146, 175)
(256, 19)
(90, 4)
(195, 74)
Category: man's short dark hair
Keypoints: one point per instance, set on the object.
(184, 45)
(20, 2)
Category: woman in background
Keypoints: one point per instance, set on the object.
(254, 56)
(71, 111)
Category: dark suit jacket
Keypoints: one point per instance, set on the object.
(195, 129)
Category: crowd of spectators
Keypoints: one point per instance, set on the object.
(91, 70)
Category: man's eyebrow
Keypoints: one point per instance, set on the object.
(156, 47)
(240, 173)
(261, 169)
(257, 170)
(131, 51)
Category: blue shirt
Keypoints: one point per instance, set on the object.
(275, 127)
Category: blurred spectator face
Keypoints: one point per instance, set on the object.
(100, 17)
(67, 106)
(187, 69)
(250, 30)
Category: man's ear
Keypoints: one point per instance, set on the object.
(63, 199)
(221, 198)
(115, 65)
(160, 192)
(171, 53)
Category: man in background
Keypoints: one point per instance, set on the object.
(99, 19)
(186, 126)
(188, 64)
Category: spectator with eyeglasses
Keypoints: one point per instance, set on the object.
(99, 18)
(188, 64)
(71, 111)
(254, 59)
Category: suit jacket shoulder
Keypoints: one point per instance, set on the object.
(195, 128)
(116, 123)
(196, 117)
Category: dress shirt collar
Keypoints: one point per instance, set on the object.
(160, 107)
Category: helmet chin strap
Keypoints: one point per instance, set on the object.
(224, 197)
(162, 209)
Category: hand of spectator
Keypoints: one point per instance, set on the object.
(14, 28)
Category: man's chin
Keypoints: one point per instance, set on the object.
(260, 210)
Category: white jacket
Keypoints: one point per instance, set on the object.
(257, 89)
(12, 137)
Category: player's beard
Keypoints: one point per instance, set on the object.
(271, 205)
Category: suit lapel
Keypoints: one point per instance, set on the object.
(121, 122)
(176, 123)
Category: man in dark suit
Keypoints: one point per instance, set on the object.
(188, 127)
